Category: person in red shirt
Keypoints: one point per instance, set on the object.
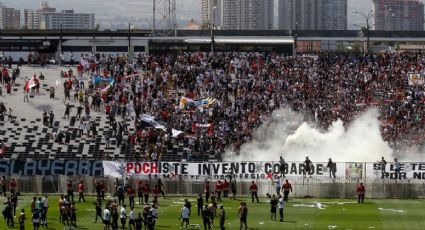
(131, 193)
(360, 193)
(218, 187)
(155, 194)
(146, 190)
(254, 190)
(207, 190)
(226, 186)
(287, 187)
(103, 189)
(81, 190)
(13, 186)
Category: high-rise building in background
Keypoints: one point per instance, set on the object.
(312, 14)
(68, 19)
(211, 12)
(398, 15)
(10, 18)
(32, 18)
(238, 14)
(47, 18)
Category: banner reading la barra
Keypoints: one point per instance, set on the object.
(51, 167)
(242, 170)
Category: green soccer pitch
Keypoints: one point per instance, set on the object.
(299, 214)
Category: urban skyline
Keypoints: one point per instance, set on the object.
(139, 12)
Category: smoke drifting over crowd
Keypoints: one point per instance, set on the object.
(285, 134)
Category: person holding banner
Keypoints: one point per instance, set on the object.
(332, 168)
(282, 167)
(397, 168)
(253, 188)
(383, 164)
(307, 167)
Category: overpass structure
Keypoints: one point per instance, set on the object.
(53, 42)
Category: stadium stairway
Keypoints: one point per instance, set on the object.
(26, 137)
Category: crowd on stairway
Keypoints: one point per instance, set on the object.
(217, 101)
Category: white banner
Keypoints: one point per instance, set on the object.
(259, 170)
(242, 170)
(414, 170)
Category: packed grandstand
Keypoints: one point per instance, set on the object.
(196, 106)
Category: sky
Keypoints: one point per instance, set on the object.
(117, 13)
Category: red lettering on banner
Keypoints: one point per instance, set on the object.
(154, 167)
(146, 167)
(138, 168)
(129, 167)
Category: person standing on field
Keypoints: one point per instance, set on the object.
(22, 219)
(233, 188)
(222, 217)
(360, 193)
(281, 205)
(253, 188)
(81, 190)
(184, 216)
(287, 187)
(273, 206)
(243, 216)
(276, 183)
(200, 203)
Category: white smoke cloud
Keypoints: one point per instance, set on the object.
(287, 135)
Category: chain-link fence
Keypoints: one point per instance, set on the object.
(178, 186)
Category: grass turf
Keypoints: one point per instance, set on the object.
(299, 214)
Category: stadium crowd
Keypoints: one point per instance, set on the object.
(245, 89)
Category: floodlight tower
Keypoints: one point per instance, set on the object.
(164, 18)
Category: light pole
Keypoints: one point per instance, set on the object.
(366, 29)
(212, 29)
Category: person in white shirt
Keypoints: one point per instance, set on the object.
(276, 183)
(132, 222)
(154, 214)
(45, 202)
(106, 218)
(123, 216)
(281, 206)
(184, 215)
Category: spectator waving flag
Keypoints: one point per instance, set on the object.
(30, 83)
(147, 121)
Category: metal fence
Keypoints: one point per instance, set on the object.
(302, 187)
